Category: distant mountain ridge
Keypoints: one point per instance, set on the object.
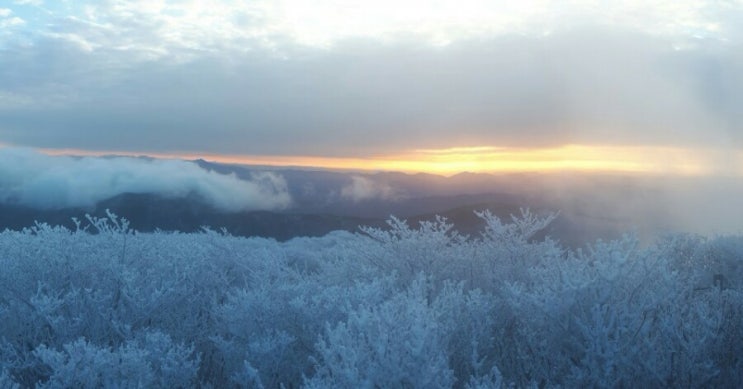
(324, 201)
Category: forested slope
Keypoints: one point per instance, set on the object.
(411, 306)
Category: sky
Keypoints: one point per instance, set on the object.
(436, 86)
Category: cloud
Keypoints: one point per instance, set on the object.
(160, 77)
(175, 27)
(50, 182)
(590, 86)
(7, 22)
(364, 188)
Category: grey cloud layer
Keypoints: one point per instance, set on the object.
(42, 181)
(591, 85)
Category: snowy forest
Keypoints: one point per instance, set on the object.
(286, 194)
(408, 306)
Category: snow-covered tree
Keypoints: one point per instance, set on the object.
(405, 306)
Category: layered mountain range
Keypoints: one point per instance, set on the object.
(590, 206)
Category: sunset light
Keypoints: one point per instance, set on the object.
(447, 162)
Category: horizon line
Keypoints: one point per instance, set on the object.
(597, 159)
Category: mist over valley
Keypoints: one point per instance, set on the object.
(283, 203)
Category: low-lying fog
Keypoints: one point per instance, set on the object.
(591, 205)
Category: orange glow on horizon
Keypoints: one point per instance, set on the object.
(580, 158)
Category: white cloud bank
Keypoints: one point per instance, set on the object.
(38, 180)
(363, 188)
